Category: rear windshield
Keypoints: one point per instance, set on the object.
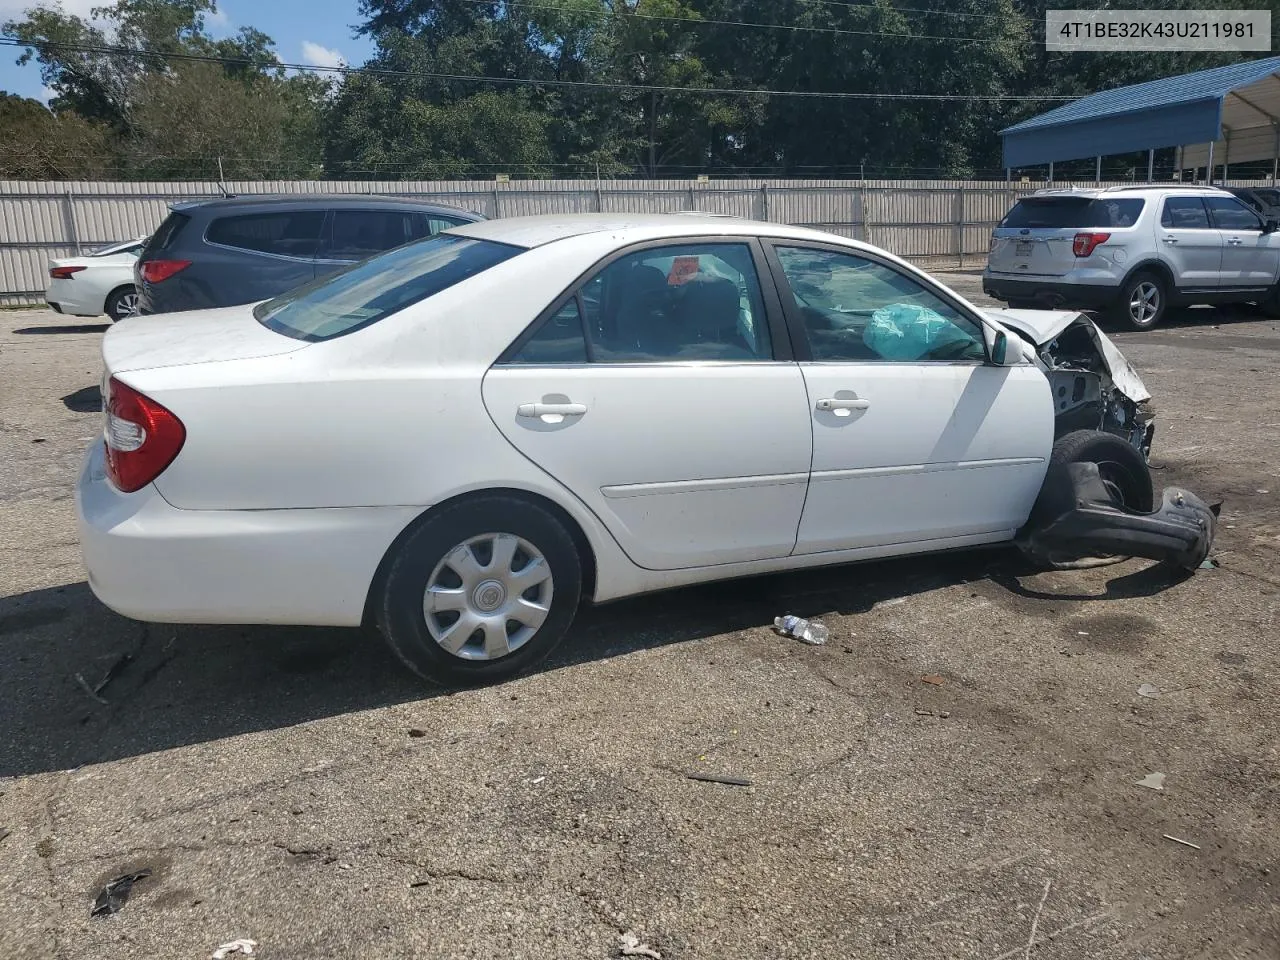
(373, 289)
(168, 231)
(1071, 213)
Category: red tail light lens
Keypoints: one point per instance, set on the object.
(64, 273)
(142, 437)
(1085, 243)
(156, 271)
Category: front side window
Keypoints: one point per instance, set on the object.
(1230, 214)
(695, 301)
(1184, 213)
(855, 309)
(374, 289)
(287, 233)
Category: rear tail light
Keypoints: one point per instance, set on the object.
(1084, 243)
(155, 271)
(142, 437)
(64, 273)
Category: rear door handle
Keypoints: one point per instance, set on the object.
(550, 412)
(1234, 241)
(1170, 239)
(841, 407)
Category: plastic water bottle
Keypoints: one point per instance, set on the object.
(803, 630)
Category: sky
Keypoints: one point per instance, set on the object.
(305, 31)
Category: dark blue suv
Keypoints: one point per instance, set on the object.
(219, 253)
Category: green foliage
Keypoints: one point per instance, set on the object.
(153, 117)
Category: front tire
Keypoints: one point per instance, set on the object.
(121, 303)
(1143, 301)
(481, 591)
(1124, 472)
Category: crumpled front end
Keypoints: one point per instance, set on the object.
(1094, 387)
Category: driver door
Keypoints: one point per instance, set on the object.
(916, 437)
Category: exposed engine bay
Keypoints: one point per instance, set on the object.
(1094, 387)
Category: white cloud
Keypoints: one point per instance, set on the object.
(317, 56)
(10, 9)
(218, 21)
(46, 94)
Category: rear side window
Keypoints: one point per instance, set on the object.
(288, 233)
(168, 231)
(1184, 213)
(1230, 214)
(358, 234)
(1269, 196)
(374, 289)
(1072, 213)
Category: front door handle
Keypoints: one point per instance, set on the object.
(841, 407)
(551, 412)
(1170, 239)
(1234, 241)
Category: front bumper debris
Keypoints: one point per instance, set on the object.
(1080, 519)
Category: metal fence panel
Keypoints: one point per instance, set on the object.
(938, 220)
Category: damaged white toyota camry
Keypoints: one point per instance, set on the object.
(462, 439)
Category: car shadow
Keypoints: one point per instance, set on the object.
(84, 400)
(66, 328)
(83, 685)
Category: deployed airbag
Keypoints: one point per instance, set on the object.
(904, 331)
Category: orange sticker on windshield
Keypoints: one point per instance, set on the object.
(683, 269)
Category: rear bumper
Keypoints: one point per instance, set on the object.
(151, 561)
(64, 298)
(1051, 294)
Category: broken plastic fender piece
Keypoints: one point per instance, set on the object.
(1083, 520)
(116, 893)
(243, 946)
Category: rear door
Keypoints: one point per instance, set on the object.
(256, 256)
(1190, 243)
(1250, 257)
(662, 393)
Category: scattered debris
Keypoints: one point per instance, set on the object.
(934, 678)
(1082, 633)
(416, 733)
(806, 631)
(1150, 691)
(941, 715)
(38, 440)
(1152, 781)
(116, 893)
(113, 671)
(630, 946)
(538, 779)
(244, 946)
(717, 778)
(1209, 564)
(1185, 843)
(1264, 491)
(3, 833)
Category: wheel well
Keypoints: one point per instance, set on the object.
(586, 556)
(123, 286)
(1153, 266)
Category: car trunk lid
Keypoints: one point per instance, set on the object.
(201, 336)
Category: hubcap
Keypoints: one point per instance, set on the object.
(127, 305)
(488, 596)
(1145, 302)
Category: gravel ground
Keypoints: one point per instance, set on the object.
(294, 786)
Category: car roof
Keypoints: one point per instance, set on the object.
(325, 200)
(1094, 193)
(627, 228)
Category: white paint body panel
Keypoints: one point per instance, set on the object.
(941, 450)
(85, 294)
(304, 461)
(665, 454)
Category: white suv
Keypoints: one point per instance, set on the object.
(1133, 252)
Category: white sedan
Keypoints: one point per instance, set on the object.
(96, 283)
(462, 439)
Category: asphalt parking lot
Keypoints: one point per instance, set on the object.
(296, 787)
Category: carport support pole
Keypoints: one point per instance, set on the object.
(1097, 172)
(1051, 172)
(1151, 165)
(1208, 167)
(1275, 156)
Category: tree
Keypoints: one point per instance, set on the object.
(36, 145)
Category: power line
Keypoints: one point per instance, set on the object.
(839, 31)
(347, 71)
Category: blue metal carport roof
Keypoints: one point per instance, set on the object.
(1194, 108)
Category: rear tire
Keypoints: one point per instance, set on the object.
(121, 303)
(1143, 301)
(1022, 305)
(480, 592)
(1270, 307)
(1124, 471)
